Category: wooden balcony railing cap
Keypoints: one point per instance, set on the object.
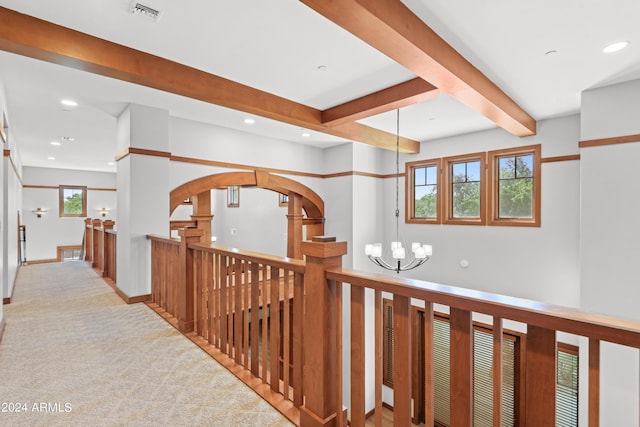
(554, 317)
(287, 263)
(169, 240)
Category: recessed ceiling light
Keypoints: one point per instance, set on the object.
(249, 121)
(56, 143)
(615, 47)
(51, 158)
(306, 134)
(69, 103)
(110, 163)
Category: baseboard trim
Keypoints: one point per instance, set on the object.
(125, 298)
(42, 261)
(285, 407)
(3, 324)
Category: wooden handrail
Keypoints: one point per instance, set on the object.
(571, 320)
(295, 265)
(168, 240)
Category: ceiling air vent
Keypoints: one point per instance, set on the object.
(144, 10)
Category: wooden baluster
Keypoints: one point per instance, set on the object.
(185, 295)
(208, 268)
(402, 361)
(286, 335)
(429, 377)
(246, 291)
(197, 293)
(217, 303)
(357, 356)
(461, 368)
(320, 405)
(274, 330)
(540, 372)
(265, 322)
(223, 279)
(174, 275)
(154, 272)
(497, 372)
(594, 382)
(255, 319)
(237, 312)
(298, 307)
(340, 422)
(378, 341)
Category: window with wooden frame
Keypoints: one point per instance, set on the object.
(72, 201)
(514, 194)
(283, 199)
(423, 191)
(233, 196)
(464, 189)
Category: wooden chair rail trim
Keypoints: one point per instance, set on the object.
(575, 321)
(295, 265)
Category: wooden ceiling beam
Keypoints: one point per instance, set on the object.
(391, 28)
(39, 39)
(401, 95)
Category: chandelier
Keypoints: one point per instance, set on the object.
(398, 261)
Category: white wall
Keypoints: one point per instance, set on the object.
(610, 245)
(45, 234)
(540, 263)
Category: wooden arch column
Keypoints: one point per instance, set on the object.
(301, 198)
(202, 215)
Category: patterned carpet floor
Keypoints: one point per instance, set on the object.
(74, 354)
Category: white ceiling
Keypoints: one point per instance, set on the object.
(277, 46)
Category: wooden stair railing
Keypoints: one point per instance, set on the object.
(100, 241)
(251, 311)
(543, 322)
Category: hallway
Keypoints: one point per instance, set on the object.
(74, 354)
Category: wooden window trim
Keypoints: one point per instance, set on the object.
(283, 199)
(229, 202)
(493, 170)
(410, 192)
(447, 208)
(61, 212)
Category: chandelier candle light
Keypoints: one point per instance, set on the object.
(421, 253)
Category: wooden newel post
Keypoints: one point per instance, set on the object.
(320, 332)
(88, 240)
(107, 224)
(185, 284)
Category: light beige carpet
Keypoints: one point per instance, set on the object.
(74, 354)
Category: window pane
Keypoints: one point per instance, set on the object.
(516, 198)
(426, 202)
(524, 166)
(72, 201)
(459, 172)
(466, 200)
(473, 171)
(419, 176)
(432, 175)
(507, 167)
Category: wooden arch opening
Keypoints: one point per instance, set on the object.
(301, 198)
